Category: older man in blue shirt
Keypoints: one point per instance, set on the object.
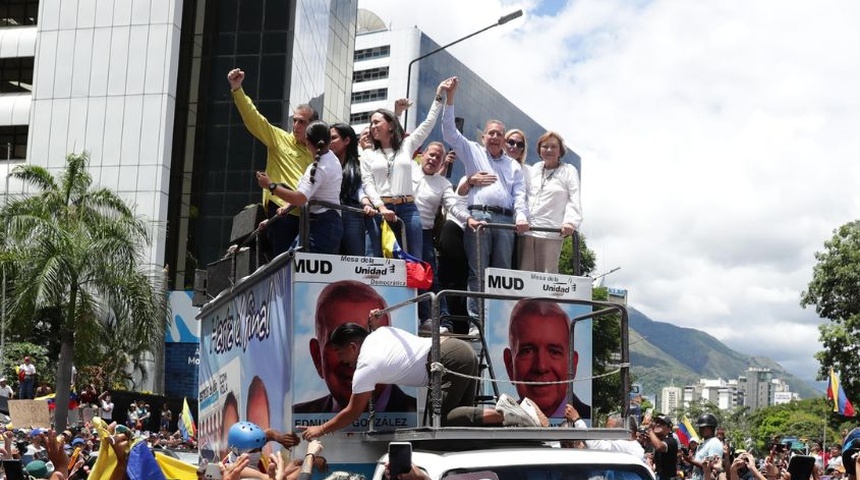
(502, 201)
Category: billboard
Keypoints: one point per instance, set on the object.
(529, 339)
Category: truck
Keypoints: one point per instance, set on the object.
(263, 359)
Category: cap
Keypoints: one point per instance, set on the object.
(37, 431)
(37, 468)
(2, 379)
(78, 441)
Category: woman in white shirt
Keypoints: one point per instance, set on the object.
(321, 181)
(553, 203)
(386, 172)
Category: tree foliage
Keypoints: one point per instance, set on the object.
(79, 250)
(835, 292)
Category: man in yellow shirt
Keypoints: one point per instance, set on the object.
(287, 159)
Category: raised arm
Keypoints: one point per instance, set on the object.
(254, 121)
(422, 131)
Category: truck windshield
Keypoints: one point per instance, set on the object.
(551, 472)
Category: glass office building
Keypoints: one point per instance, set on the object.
(382, 57)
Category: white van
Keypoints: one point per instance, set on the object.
(534, 463)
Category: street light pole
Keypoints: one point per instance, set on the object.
(502, 20)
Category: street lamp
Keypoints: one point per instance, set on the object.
(502, 20)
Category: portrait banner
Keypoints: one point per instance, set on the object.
(529, 339)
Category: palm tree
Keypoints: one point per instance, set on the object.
(81, 249)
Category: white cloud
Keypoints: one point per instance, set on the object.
(718, 140)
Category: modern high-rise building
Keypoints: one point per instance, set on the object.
(757, 387)
(382, 59)
(141, 86)
(671, 398)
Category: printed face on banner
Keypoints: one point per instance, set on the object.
(531, 339)
(322, 303)
(245, 363)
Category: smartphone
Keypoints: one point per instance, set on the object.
(800, 467)
(399, 458)
(213, 472)
(14, 470)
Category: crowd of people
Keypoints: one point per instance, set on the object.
(712, 457)
(375, 177)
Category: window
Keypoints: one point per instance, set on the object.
(360, 117)
(14, 13)
(16, 137)
(16, 75)
(370, 95)
(375, 52)
(370, 74)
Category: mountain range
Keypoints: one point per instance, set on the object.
(662, 354)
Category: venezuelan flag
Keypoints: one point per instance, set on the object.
(186, 421)
(141, 465)
(686, 432)
(419, 274)
(835, 394)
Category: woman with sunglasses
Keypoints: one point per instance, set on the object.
(387, 170)
(553, 201)
(321, 181)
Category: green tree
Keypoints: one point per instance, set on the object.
(80, 249)
(835, 292)
(587, 258)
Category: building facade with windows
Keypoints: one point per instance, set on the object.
(382, 58)
(141, 86)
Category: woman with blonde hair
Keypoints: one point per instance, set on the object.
(516, 145)
(553, 200)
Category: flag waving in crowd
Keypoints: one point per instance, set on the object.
(186, 421)
(686, 432)
(835, 394)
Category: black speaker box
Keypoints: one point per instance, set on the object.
(246, 222)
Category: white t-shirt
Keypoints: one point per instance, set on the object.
(6, 391)
(391, 356)
(431, 191)
(327, 180)
(106, 409)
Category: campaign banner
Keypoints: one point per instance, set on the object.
(529, 339)
(245, 361)
(330, 291)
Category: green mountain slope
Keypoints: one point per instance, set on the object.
(663, 354)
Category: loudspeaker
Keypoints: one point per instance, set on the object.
(246, 222)
(222, 274)
(199, 299)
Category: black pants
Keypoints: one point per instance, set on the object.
(453, 268)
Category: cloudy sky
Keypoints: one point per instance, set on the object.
(719, 142)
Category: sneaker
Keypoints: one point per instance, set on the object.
(513, 413)
(473, 331)
(426, 328)
(534, 411)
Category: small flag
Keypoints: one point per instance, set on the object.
(419, 274)
(835, 394)
(686, 433)
(186, 421)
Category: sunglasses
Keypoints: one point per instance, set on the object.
(516, 144)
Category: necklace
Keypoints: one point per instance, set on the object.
(544, 177)
(390, 161)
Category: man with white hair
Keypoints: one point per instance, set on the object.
(5, 390)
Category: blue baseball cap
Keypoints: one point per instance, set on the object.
(850, 447)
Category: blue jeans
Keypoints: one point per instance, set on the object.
(408, 214)
(27, 389)
(281, 231)
(497, 250)
(326, 232)
(429, 256)
(354, 234)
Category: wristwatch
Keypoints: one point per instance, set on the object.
(438, 98)
(272, 187)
